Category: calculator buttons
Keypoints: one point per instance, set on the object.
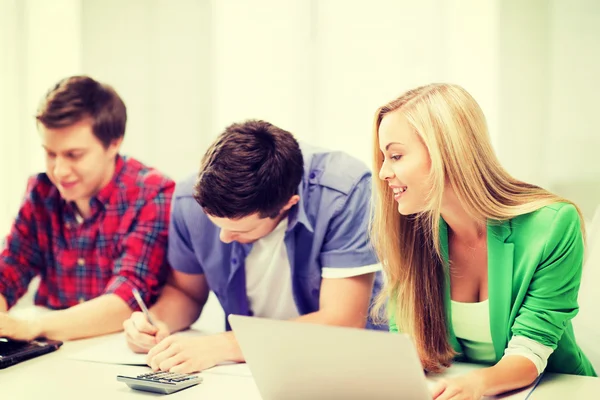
(160, 381)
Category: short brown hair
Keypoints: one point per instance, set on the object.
(252, 167)
(78, 97)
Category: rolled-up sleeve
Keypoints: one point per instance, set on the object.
(181, 252)
(142, 263)
(551, 300)
(347, 242)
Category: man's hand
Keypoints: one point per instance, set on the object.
(18, 329)
(141, 334)
(466, 387)
(183, 354)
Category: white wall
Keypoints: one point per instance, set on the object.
(318, 68)
(364, 58)
(34, 54)
(302, 65)
(11, 121)
(571, 159)
(369, 53)
(548, 62)
(156, 55)
(524, 90)
(573, 139)
(262, 63)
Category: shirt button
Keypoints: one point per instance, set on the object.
(234, 261)
(80, 262)
(312, 175)
(68, 225)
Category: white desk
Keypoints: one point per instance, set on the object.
(560, 386)
(57, 376)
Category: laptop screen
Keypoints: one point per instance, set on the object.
(15, 351)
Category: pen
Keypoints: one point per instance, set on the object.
(142, 305)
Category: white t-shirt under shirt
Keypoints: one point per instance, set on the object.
(269, 280)
(268, 277)
(471, 325)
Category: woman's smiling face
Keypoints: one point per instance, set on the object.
(406, 163)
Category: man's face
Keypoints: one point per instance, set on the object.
(252, 227)
(246, 229)
(76, 161)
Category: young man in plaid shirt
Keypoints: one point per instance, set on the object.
(93, 227)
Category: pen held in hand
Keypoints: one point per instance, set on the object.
(142, 305)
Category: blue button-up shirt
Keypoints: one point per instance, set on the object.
(327, 228)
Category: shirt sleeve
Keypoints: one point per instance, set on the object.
(21, 257)
(339, 273)
(551, 300)
(537, 353)
(181, 252)
(142, 263)
(347, 242)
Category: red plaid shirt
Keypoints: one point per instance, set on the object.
(122, 244)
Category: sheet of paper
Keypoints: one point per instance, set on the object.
(113, 350)
(234, 369)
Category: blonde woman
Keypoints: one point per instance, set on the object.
(479, 265)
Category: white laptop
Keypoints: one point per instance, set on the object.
(296, 360)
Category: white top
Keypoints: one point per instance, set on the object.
(268, 277)
(471, 324)
(269, 280)
(471, 321)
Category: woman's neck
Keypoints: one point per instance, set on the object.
(463, 226)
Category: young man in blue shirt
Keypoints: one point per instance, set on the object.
(275, 230)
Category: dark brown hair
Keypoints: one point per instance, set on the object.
(252, 167)
(78, 97)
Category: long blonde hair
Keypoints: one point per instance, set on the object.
(452, 126)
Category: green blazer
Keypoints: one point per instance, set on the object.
(534, 273)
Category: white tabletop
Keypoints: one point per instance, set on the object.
(59, 375)
(560, 386)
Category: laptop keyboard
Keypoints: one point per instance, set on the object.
(9, 347)
(15, 351)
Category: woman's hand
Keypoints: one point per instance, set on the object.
(466, 387)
